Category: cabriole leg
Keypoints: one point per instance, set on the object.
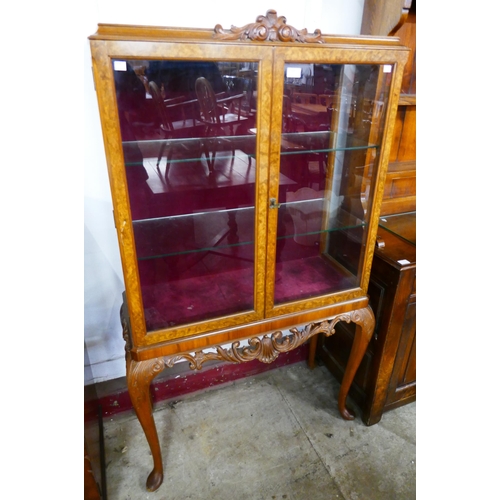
(365, 321)
(313, 343)
(139, 377)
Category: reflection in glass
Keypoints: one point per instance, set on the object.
(332, 124)
(188, 133)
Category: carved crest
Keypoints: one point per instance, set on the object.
(268, 28)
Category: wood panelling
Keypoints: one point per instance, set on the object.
(399, 191)
(400, 188)
(408, 34)
(382, 18)
(407, 145)
(404, 141)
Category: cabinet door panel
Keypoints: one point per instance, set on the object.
(332, 121)
(408, 370)
(188, 130)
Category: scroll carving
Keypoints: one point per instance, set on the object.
(269, 347)
(268, 28)
(125, 328)
(142, 373)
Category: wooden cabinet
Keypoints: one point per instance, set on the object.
(246, 167)
(386, 377)
(399, 18)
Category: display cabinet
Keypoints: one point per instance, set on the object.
(246, 168)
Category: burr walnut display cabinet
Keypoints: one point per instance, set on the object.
(247, 168)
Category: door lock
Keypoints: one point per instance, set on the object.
(273, 203)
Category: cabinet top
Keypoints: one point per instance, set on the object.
(398, 234)
(269, 29)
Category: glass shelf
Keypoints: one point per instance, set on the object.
(217, 230)
(319, 142)
(310, 219)
(292, 144)
(403, 225)
(220, 230)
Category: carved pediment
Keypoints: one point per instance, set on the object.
(268, 28)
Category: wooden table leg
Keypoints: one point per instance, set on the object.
(365, 321)
(313, 343)
(139, 377)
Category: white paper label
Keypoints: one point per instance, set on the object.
(387, 68)
(293, 72)
(404, 262)
(120, 65)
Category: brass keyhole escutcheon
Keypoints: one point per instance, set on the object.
(273, 204)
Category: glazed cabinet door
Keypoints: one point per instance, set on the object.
(191, 193)
(330, 123)
(241, 177)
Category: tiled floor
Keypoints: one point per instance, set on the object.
(277, 435)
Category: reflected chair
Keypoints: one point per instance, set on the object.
(181, 127)
(221, 115)
(310, 167)
(305, 98)
(326, 99)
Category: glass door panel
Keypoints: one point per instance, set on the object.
(189, 141)
(332, 124)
